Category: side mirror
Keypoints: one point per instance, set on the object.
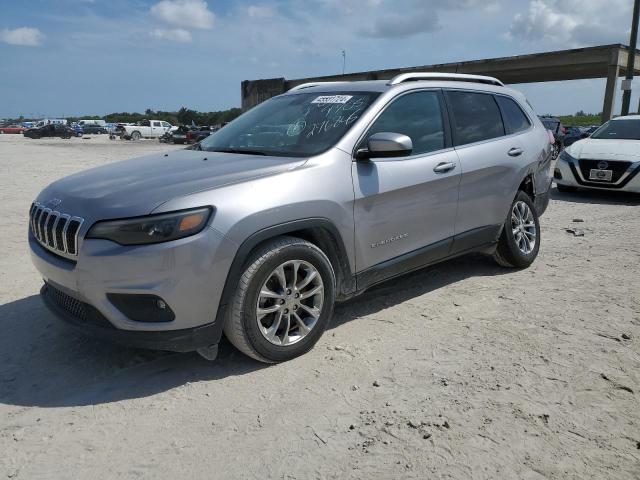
(386, 145)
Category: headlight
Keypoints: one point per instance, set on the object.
(159, 228)
(564, 155)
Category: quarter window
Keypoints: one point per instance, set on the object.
(416, 115)
(476, 117)
(514, 118)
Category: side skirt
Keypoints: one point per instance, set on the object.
(481, 239)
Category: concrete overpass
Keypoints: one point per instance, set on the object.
(605, 61)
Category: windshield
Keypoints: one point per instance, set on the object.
(619, 129)
(298, 125)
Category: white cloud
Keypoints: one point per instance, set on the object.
(173, 35)
(574, 22)
(257, 11)
(184, 13)
(24, 36)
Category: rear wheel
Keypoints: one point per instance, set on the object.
(283, 302)
(520, 239)
(136, 136)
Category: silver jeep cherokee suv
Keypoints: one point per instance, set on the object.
(311, 197)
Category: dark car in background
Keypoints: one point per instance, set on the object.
(94, 129)
(50, 130)
(177, 136)
(199, 133)
(573, 134)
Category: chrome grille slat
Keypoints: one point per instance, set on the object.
(42, 223)
(36, 218)
(49, 228)
(54, 230)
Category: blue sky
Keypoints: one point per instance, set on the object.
(70, 57)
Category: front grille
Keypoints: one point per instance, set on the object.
(70, 305)
(618, 168)
(54, 230)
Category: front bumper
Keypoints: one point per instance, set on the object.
(188, 274)
(568, 173)
(89, 321)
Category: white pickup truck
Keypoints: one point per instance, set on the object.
(144, 129)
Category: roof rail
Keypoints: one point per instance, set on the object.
(312, 84)
(453, 77)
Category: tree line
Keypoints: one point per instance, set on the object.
(184, 116)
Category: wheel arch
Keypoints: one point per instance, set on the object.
(527, 186)
(319, 231)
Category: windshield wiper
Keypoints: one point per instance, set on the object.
(239, 150)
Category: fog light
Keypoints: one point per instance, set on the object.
(142, 308)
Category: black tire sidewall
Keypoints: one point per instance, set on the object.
(519, 258)
(260, 344)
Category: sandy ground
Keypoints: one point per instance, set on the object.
(460, 371)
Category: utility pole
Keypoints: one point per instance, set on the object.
(344, 56)
(631, 63)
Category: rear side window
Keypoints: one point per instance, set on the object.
(514, 118)
(476, 117)
(417, 115)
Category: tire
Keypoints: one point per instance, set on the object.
(566, 188)
(519, 249)
(135, 136)
(249, 333)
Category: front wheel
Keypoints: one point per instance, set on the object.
(520, 239)
(283, 301)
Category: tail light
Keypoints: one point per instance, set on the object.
(552, 139)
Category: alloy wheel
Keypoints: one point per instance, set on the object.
(523, 227)
(290, 302)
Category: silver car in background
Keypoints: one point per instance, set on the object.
(311, 197)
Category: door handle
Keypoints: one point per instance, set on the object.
(444, 167)
(515, 152)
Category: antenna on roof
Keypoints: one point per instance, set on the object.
(344, 60)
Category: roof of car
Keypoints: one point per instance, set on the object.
(628, 117)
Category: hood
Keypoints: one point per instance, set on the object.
(137, 186)
(593, 148)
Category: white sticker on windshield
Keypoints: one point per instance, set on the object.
(333, 99)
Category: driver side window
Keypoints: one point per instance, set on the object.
(416, 115)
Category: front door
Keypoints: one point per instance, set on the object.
(405, 206)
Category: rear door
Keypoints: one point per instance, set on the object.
(489, 159)
(534, 153)
(405, 204)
